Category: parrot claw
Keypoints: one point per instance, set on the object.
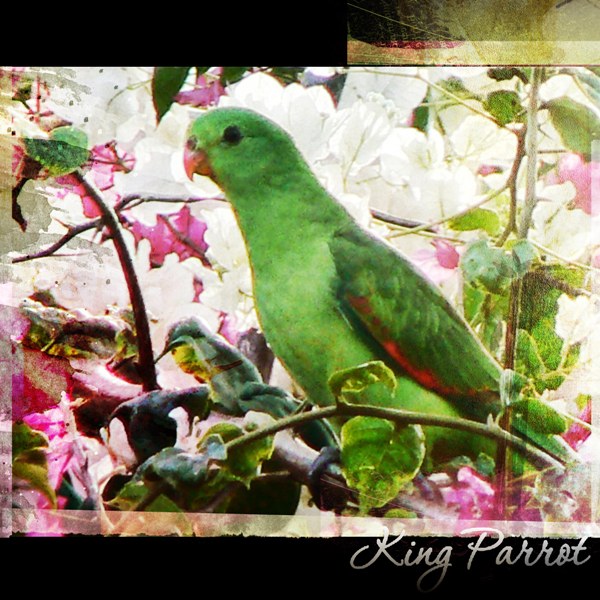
(326, 497)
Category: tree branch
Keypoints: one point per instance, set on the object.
(144, 342)
(402, 417)
(512, 324)
(462, 213)
(73, 231)
(512, 185)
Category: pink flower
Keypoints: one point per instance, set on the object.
(473, 495)
(181, 233)
(105, 160)
(206, 92)
(228, 328)
(577, 433)
(489, 170)
(439, 263)
(584, 176)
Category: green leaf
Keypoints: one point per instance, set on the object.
(507, 73)
(485, 464)
(523, 254)
(63, 152)
(473, 300)
(176, 467)
(540, 416)
(25, 438)
(166, 83)
(577, 124)
(29, 462)
(401, 513)
(239, 463)
(455, 86)
(479, 218)
(505, 106)
(528, 359)
(590, 82)
(487, 266)
(32, 467)
(134, 492)
(232, 74)
(287, 75)
(379, 458)
(351, 382)
(266, 496)
(539, 306)
(421, 115)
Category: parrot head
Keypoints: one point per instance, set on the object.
(180, 338)
(234, 146)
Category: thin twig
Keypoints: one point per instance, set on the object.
(72, 232)
(403, 417)
(399, 221)
(512, 185)
(462, 213)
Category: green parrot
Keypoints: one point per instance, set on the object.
(235, 384)
(331, 296)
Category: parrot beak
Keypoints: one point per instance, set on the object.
(166, 350)
(196, 161)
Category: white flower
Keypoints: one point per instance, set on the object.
(301, 111)
(99, 99)
(478, 141)
(568, 232)
(576, 318)
(398, 84)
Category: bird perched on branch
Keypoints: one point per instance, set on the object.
(330, 295)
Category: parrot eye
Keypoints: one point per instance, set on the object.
(192, 143)
(233, 135)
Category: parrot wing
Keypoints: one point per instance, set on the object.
(415, 328)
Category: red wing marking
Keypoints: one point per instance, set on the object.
(425, 377)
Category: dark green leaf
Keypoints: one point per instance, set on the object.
(166, 84)
(473, 299)
(176, 467)
(487, 266)
(239, 463)
(135, 492)
(505, 106)
(379, 458)
(64, 151)
(29, 462)
(32, 467)
(507, 73)
(528, 359)
(421, 116)
(25, 438)
(266, 496)
(455, 86)
(479, 218)
(485, 465)
(287, 75)
(148, 424)
(350, 382)
(577, 124)
(524, 253)
(538, 415)
(232, 74)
